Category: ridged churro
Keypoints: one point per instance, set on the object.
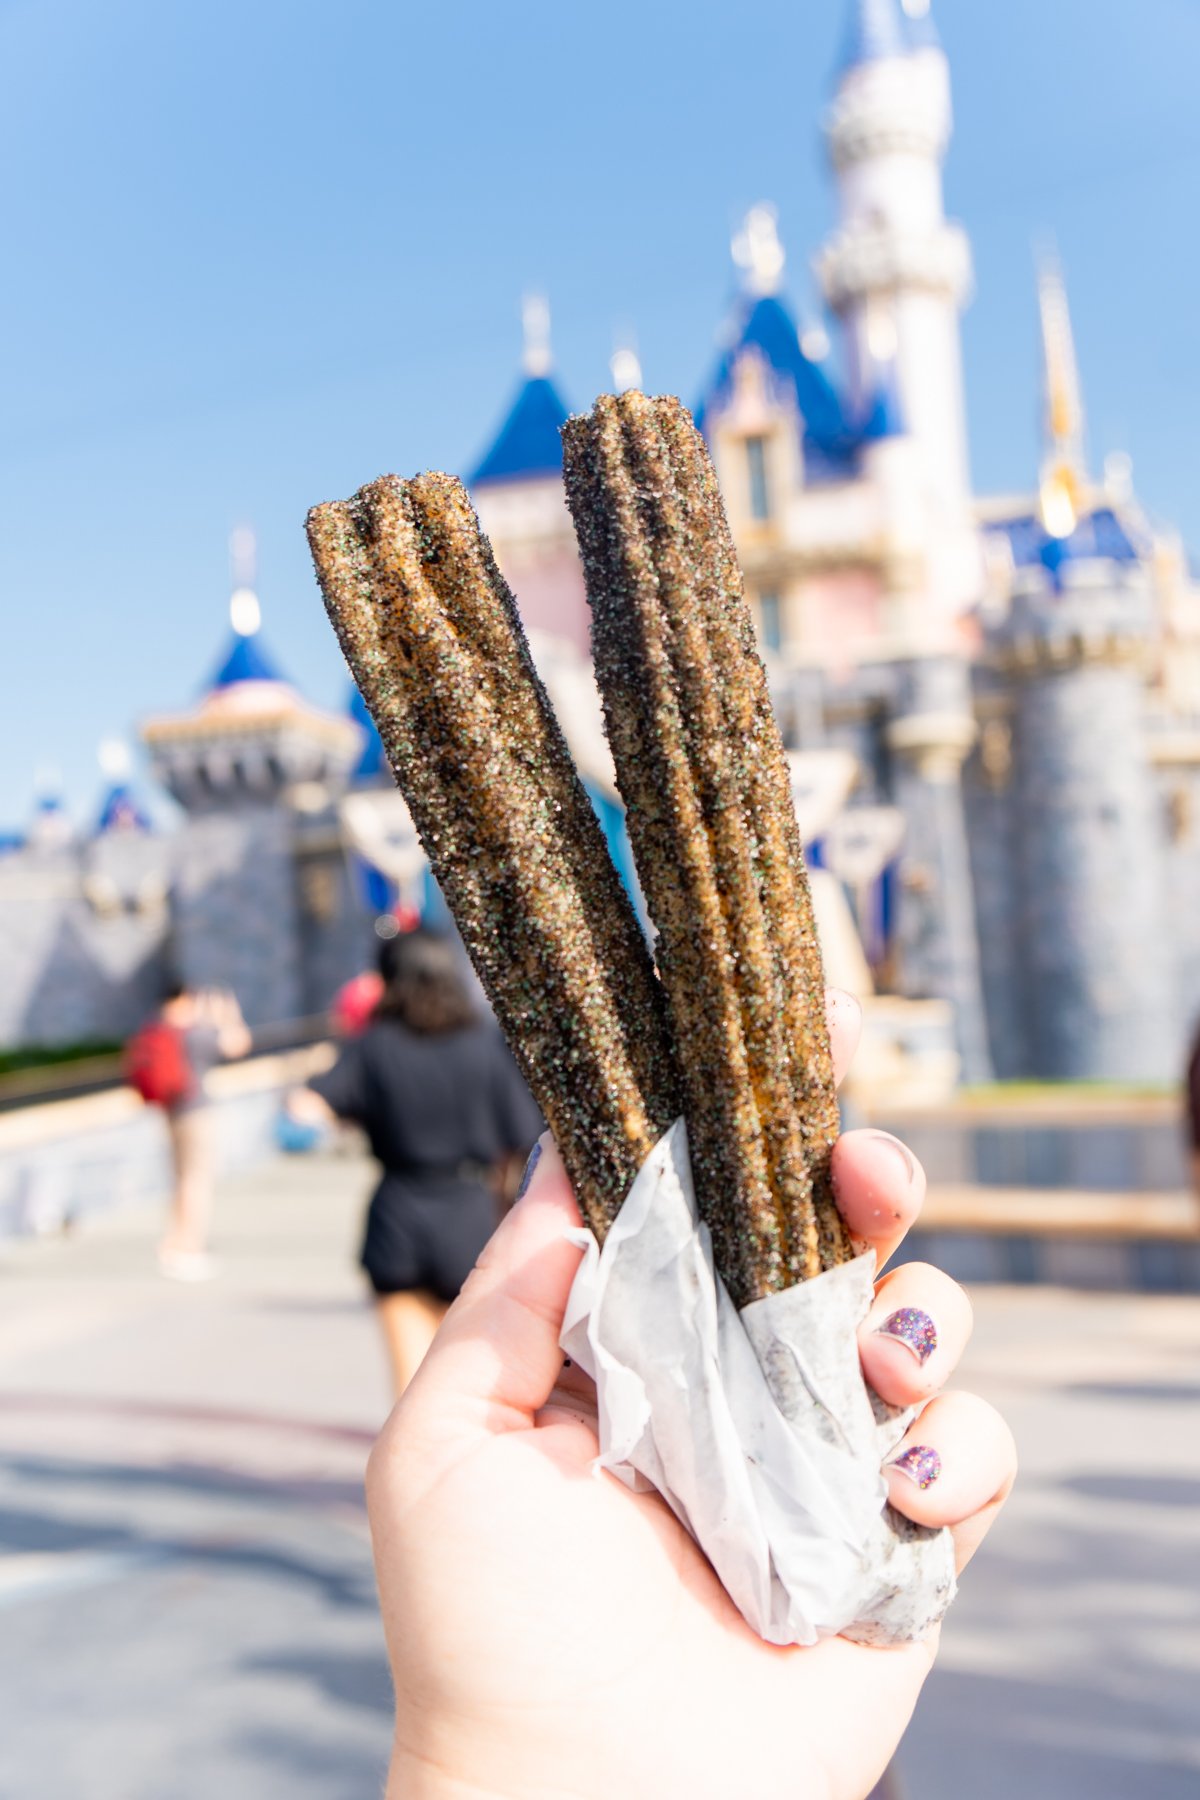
(431, 634)
(703, 774)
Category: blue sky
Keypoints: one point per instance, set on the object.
(258, 252)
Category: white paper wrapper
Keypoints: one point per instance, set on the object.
(757, 1428)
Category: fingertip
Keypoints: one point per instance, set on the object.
(879, 1186)
(845, 1016)
(545, 1180)
(915, 1333)
(893, 1373)
(955, 1464)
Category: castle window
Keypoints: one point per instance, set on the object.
(756, 469)
(770, 615)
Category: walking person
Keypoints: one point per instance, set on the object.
(168, 1062)
(445, 1111)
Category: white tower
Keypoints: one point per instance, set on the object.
(896, 272)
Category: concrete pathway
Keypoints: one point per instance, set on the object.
(186, 1605)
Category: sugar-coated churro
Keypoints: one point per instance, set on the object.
(432, 637)
(704, 777)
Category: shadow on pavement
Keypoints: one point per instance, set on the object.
(346, 1680)
(1178, 1393)
(215, 1550)
(1103, 1705)
(1145, 1490)
(205, 1479)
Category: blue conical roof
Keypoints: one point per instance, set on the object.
(876, 29)
(245, 660)
(373, 762)
(529, 441)
(120, 811)
(764, 323)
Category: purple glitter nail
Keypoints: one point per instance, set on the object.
(912, 1328)
(921, 1464)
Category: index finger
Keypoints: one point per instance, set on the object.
(845, 1028)
(879, 1186)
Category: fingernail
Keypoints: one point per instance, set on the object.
(912, 1328)
(902, 1151)
(535, 1157)
(921, 1464)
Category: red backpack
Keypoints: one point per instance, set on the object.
(156, 1064)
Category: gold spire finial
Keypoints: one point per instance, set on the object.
(1063, 468)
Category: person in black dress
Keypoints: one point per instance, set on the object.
(444, 1108)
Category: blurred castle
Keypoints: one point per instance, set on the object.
(997, 700)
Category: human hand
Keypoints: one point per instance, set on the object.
(552, 1633)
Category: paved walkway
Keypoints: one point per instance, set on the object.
(186, 1606)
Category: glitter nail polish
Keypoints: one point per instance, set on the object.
(912, 1328)
(921, 1464)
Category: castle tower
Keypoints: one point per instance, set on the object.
(895, 271)
(258, 877)
(776, 427)
(1093, 956)
(1092, 938)
(929, 733)
(518, 492)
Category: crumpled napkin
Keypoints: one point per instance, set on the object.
(756, 1427)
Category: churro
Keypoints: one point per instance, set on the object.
(703, 774)
(431, 634)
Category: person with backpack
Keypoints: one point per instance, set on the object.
(167, 1062)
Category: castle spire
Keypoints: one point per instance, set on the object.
(895, 270)
(625, 366)
(1060, 370)
(245, 614)
(758, 252)
(919, 26)
(535, 326)
(527, 446)
(1063, 468)
(875, 30)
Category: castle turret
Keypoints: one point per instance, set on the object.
(258, 875)
(1092, 944)
(1093, 959)
(775, 425)
(518, 492)
(896, 272)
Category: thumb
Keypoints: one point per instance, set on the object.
(496, 1355)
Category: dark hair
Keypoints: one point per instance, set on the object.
(424, 984)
